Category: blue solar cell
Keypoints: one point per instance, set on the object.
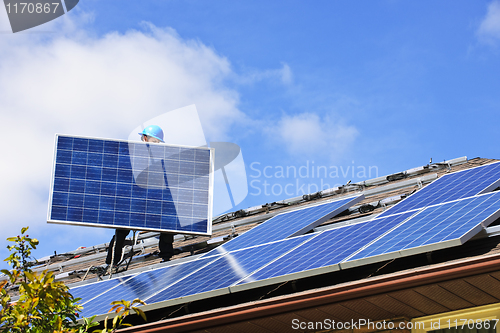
(454, 221)
(457, 185)
(228, 269)
(59, 212)
(75, 200)
(64, 156)
(65, 143)
(94, 160)
(143, 286)
(111, 161)
(61, 184)
(138, 219)
(60, 199)
(96, 146)
(130, 185)
(80, 144)
(91, 215)
(79, 157)
(288, 224)
(111, 147)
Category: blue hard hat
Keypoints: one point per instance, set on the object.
(154, 131)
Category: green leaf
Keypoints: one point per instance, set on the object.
(140, 312)
(26, 287)
(106, 323)
(138, 300)
(30, 276)
(23, 230)
(6, 272)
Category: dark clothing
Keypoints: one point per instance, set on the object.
(165, 245)
(119, 236)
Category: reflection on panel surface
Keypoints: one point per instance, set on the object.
(89, 291)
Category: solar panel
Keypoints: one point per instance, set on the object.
(328, 248)
(90, 291)
(131, 185)
(142, 286)
(288, 224)
(231, 267)
(457, 185)
(436, 227)
(193, 277)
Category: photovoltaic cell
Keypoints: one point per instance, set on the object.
(143, 285)
(436, 227)
(287, 225)
(131, 185)
(329, 247)
(228, 269)
(457, 185)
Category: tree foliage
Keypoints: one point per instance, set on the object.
(45, 305)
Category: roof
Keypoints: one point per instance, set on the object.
(352, 293)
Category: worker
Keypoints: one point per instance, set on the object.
(152, 134)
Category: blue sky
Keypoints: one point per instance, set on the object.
(340, 85)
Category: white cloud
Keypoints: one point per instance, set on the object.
(489, 29)
(100, 86)
(283, 75)
(308, 134)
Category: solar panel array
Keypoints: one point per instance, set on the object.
(131, 185)
(453, 222)
(227, 270)
(288, 224)
(457, 185)
(446, 220)
(431, 228)
(329, 247)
